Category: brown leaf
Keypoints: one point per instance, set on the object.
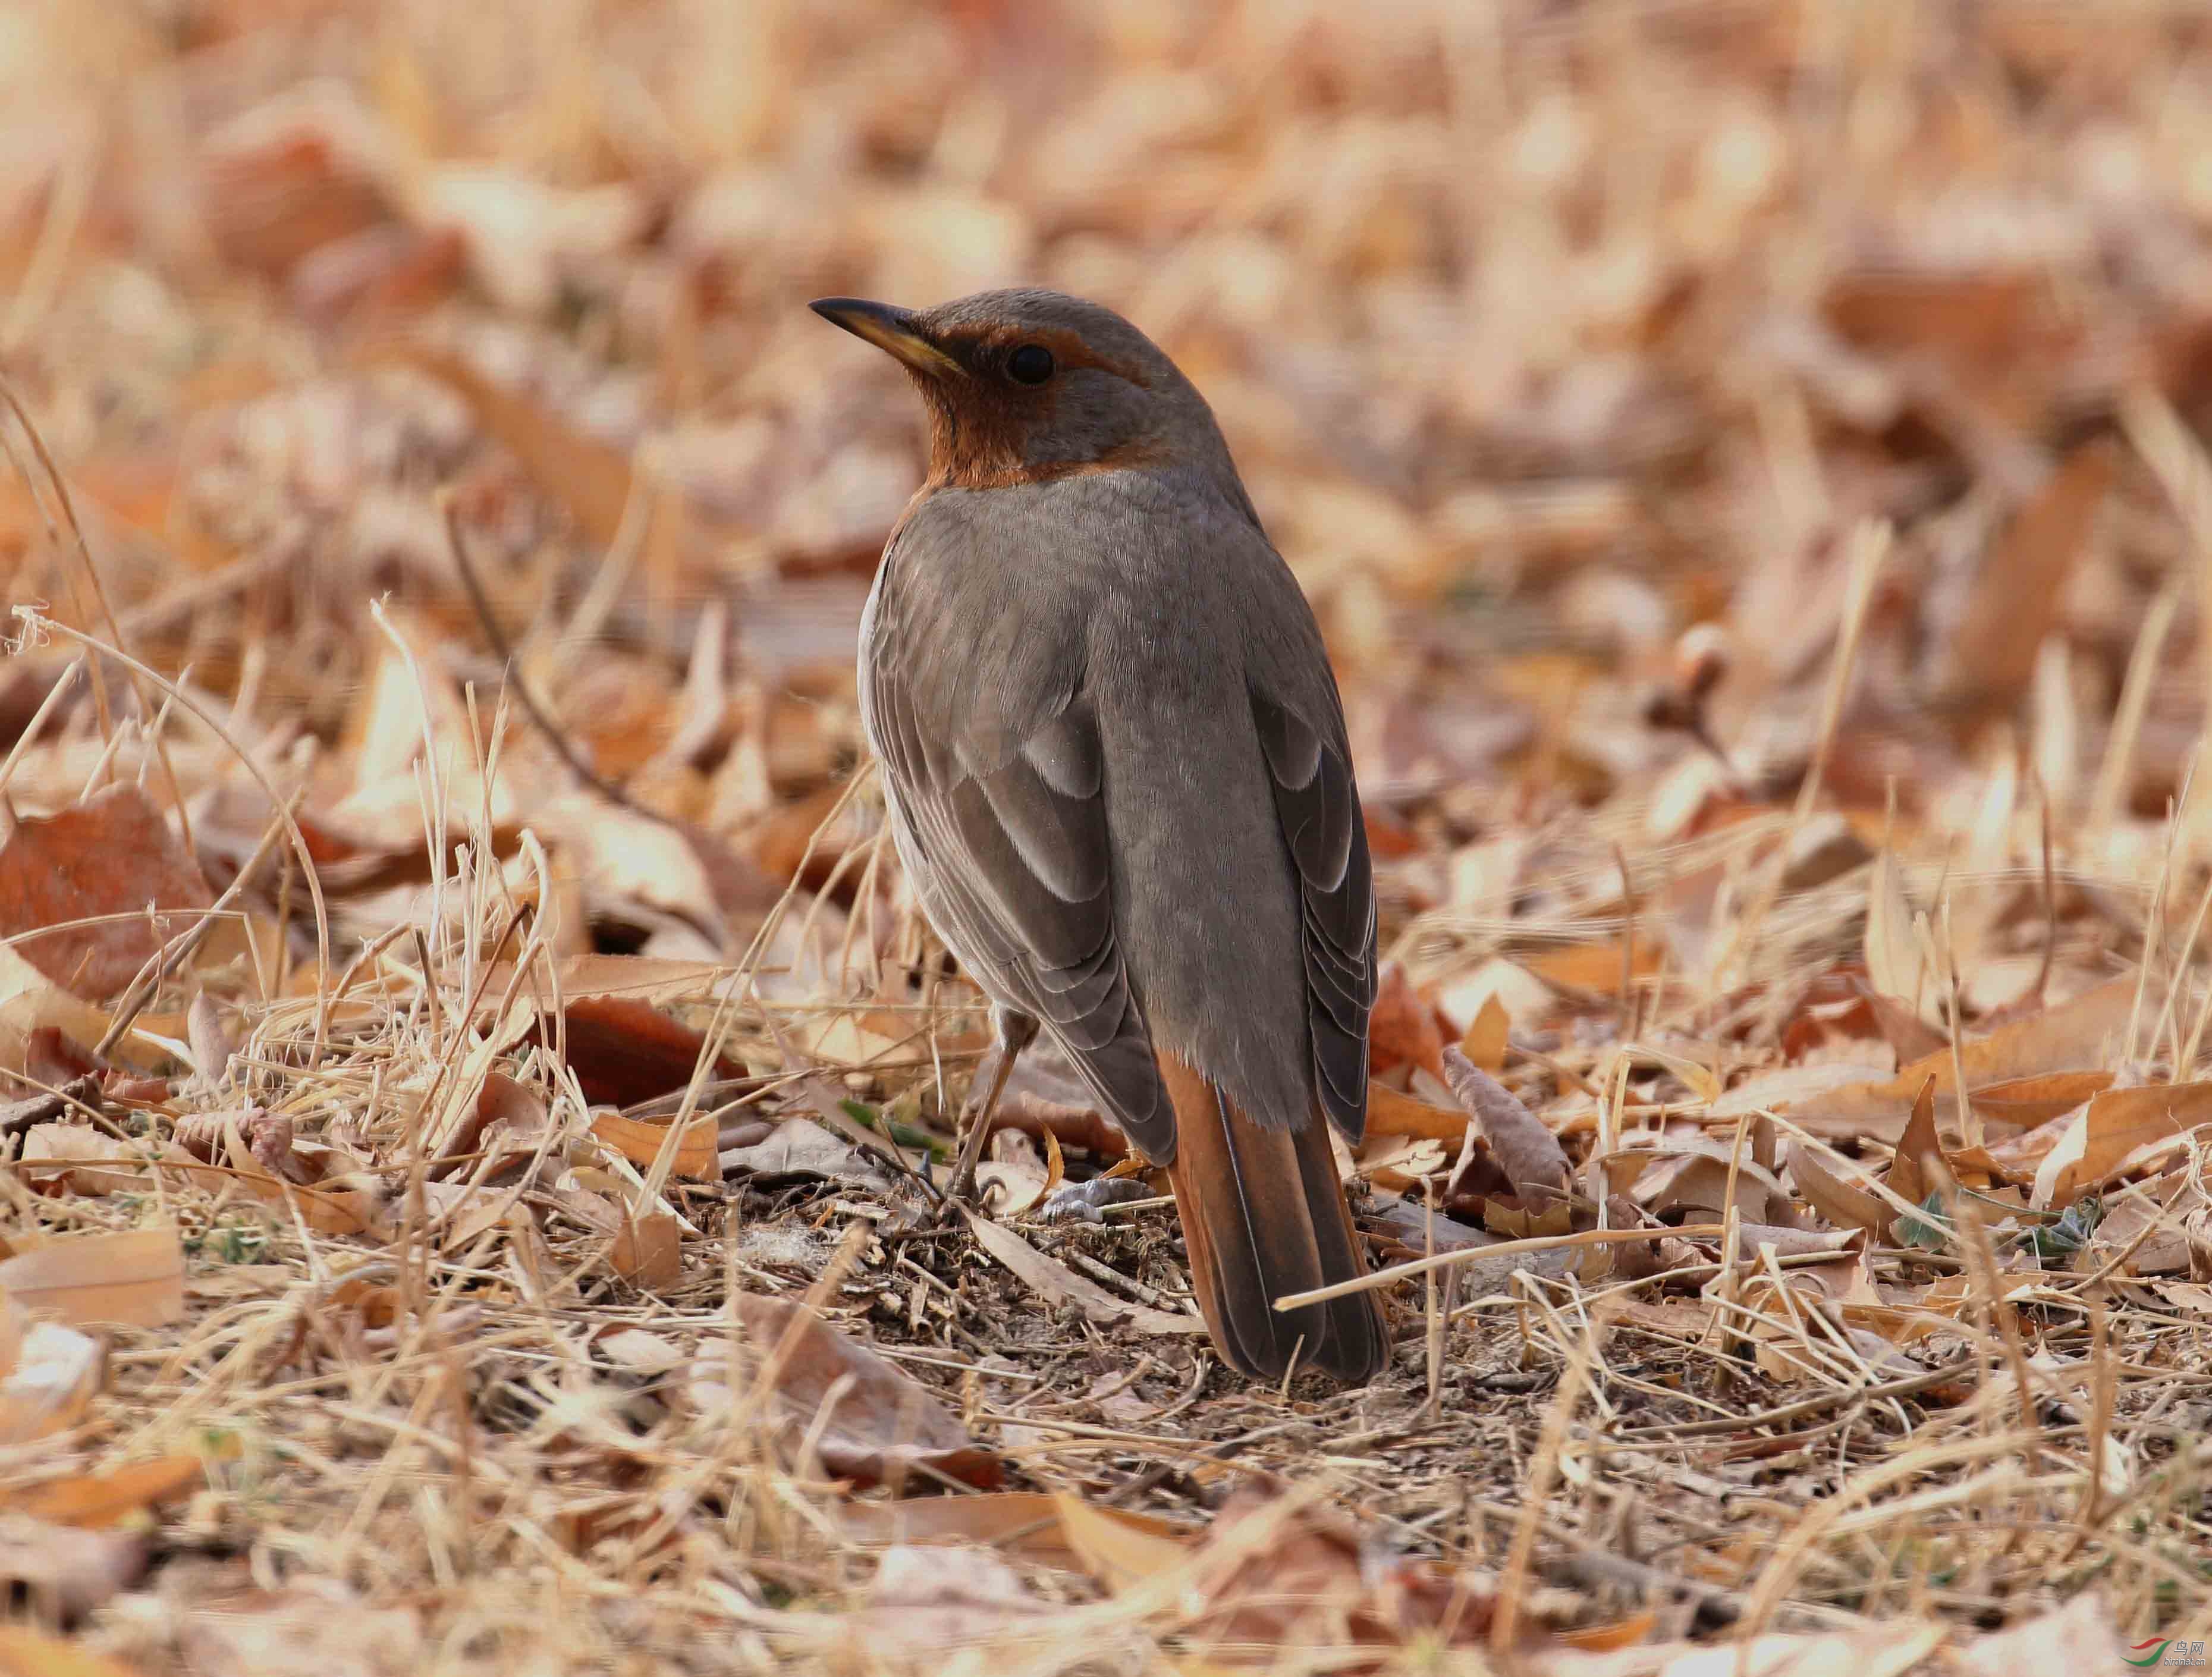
(1530, 1154)
(86, 1150)
(1912, 1175)
(1840, 1197)
(589, 478)
(624, 1052)
(2074, 1035)
(938, 1598)
(648, 1251)
(1026, 1522)
(211, 1039)
(1486, 1039)
(1893, 963)
(1389, 1113)
(253, 1139)
(112, 854)
(1401, 1030)
(1275, 1574)
(509, 1122)
(1907, 1034)
(1119, 1548)
(801, 1148)
(2119, 1124)
(134, 1277)
(35, 1653)
(883, 1424)
(2026, 1102)
(1597, 968)
(641, 1144)
(2017, 594)
(102, 1500)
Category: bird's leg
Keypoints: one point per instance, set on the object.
(1016, 1031)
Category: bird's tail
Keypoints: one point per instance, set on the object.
(1263, 1215)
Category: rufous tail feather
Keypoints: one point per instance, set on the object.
(1264, 1215)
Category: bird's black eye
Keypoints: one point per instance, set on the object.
(1031, 364)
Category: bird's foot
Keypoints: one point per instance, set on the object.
(1086, 1202)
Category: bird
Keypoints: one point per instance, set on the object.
(1116, 775)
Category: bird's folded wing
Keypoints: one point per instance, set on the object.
(1007, 816)
(1316, 802)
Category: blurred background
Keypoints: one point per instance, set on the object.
(1543, 333)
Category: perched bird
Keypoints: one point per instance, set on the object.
(1114, 759)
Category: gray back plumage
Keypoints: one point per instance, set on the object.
(1115, 755)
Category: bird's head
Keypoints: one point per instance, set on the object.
(1024, 386)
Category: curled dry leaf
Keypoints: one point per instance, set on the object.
(1895, 967)
(1277, 1573)
(113, 855)
(348, 1211)
(1835, 1188)
(1919, 1167)
(801, 1148)
(31, 1003)
(2120, 1130)
(1530, 1153)
(2072, 1035)
(879, 1425)
(1119, 1548)
(94, 1162)
(938, 1598)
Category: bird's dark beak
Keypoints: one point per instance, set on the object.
(895, 330)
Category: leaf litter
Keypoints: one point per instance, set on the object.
(475, 1089)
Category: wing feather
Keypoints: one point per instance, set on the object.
(1318, 809)
(1000, 809)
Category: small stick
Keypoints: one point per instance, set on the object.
(1504, 1248)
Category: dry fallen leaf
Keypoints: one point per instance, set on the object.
(2075, 1034)
(648, 1251)
(1402, 1029)
(879, 1425)
(113, 855)
(1119, 1548)
(1486, 1039)
(640, 1143)
(2117, 1125)
(102, 1500)
(135, 1277)
(1062, 1286)
(1530, 1154)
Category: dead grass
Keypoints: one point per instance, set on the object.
(1748, 462)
